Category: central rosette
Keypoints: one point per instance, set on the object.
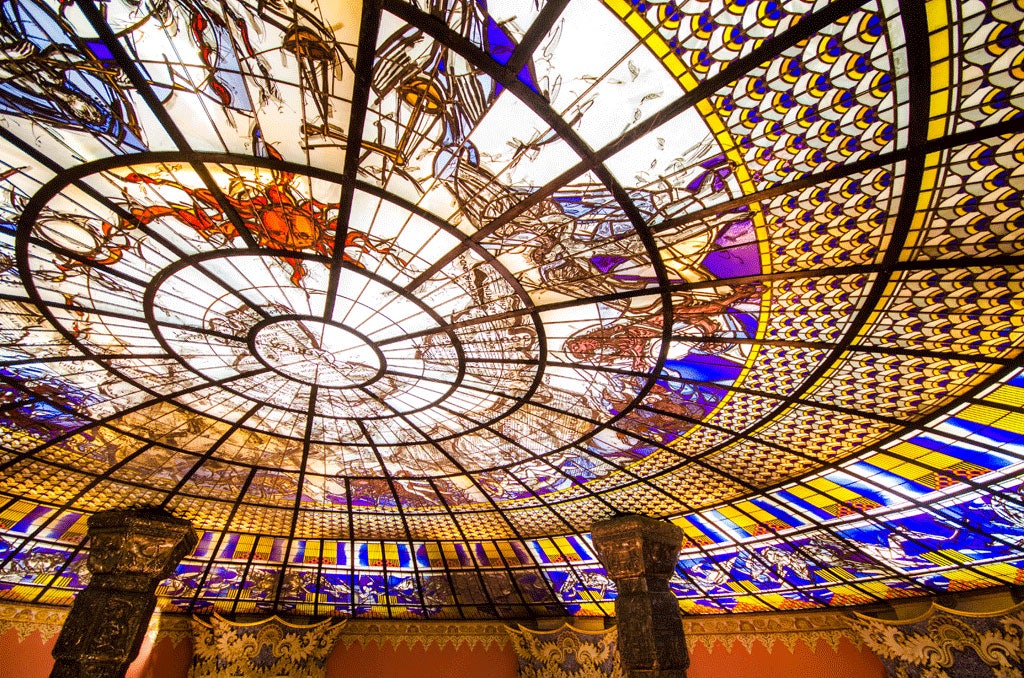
(317, 353)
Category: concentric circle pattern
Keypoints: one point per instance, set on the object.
(394, 301)
(313, 352)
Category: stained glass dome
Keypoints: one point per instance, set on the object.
(394, 300)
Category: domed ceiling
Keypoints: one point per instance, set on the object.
(394, 301)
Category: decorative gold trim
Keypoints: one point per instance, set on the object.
(26, 619)
(745, 630)
(428, 634)
(934, 644)
(272, 618)
(174, 627)
(940, 609)
(519, 628)
(769, 629)
(566, 652)
(766, 629)
(48, 621)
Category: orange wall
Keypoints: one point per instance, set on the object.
(373, 662)
(31, 659)
(27, 659)
(848, 661)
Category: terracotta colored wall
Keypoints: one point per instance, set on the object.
(803, 662)
(27, 659)
(165, 660)
(372, 662)
(31, 659)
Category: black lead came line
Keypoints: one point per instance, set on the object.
(368, 30)
(342, 225)
(440, 31)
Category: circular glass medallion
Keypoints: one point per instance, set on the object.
(317, 353)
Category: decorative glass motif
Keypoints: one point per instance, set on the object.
(394, 302)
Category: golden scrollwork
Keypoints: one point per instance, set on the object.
(939, 642)
(269, 647)
(566, 652)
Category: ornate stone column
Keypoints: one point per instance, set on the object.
(640, 555)
(130, 552)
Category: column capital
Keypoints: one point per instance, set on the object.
(137, 544)
(631, 546)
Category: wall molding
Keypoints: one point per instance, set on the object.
(47, 621)
(769, 629)
(427, 634)
(28, 619)
(787, 629)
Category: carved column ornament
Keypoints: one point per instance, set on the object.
(130, 552)
(640, 554)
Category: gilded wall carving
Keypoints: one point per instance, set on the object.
(768, 630)
(270, 647)
(730, 632)
(946, 643)
(566, 652)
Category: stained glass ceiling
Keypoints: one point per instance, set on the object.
(394, 301)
